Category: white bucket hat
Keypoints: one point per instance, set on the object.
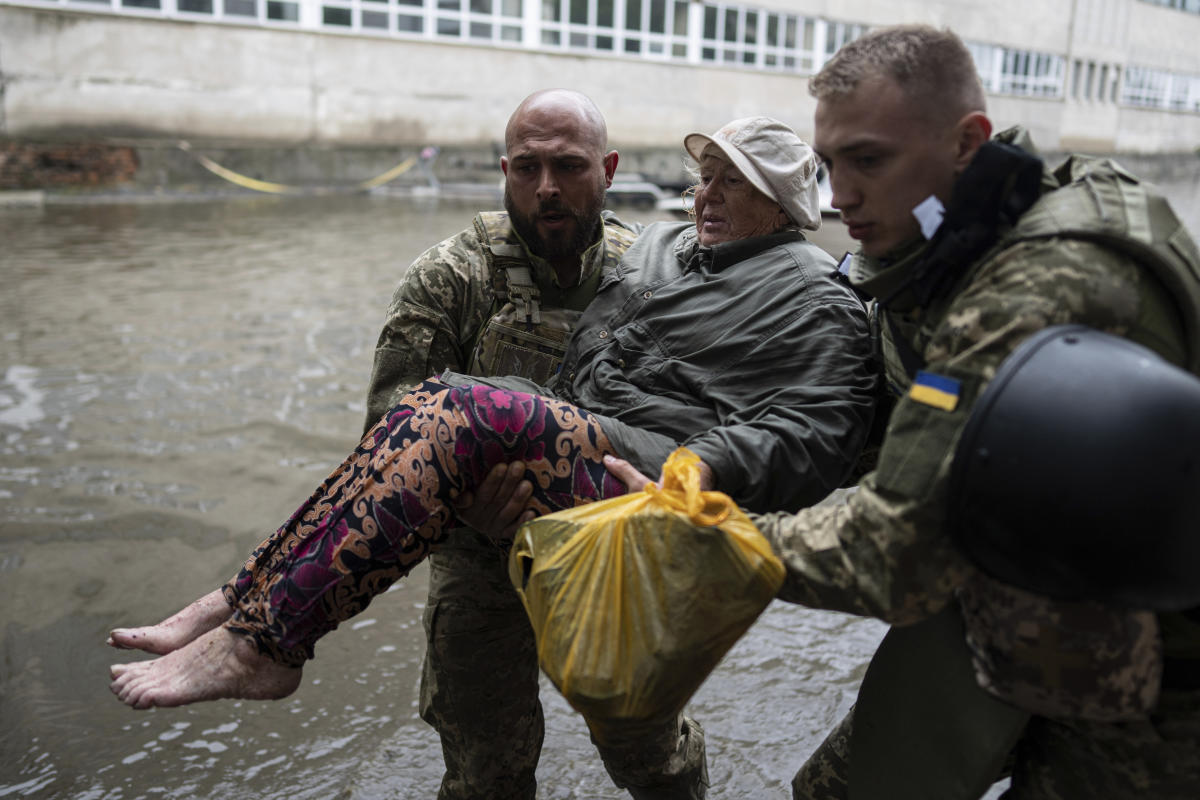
(773, 158)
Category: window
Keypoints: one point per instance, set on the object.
(1004, 70)
(838, 34)
(1156, 88)
(679, 30)
(283, 11)
(756, 38)
(373, 15)
(651, 28)
(1183, 5)
(787, 43)
(337, 16)
(1145, 87)
(771, 40)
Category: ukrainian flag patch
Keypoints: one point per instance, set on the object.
(935, 390)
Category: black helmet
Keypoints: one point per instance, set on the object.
(1078, 473)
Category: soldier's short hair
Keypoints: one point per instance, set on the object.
(933, 67)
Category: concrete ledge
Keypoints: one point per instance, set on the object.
(31, 198)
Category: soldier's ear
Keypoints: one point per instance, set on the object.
(610, 166)
(970, 133)
(504, 165)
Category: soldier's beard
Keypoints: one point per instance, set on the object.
(569, 242)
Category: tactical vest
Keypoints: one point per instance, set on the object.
(1099, 201)
(529, 327)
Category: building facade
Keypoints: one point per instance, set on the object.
(1100, 75)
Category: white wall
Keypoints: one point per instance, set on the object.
(69, 73)
(1164, 37)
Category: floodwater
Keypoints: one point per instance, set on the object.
(174, 379)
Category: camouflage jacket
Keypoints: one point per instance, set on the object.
(886, 552)
(448, 294)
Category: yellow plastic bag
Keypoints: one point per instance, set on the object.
(634, 600)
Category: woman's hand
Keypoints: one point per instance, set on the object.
(635, 481)
(626, 473)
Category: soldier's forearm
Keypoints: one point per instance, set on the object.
(865, 556)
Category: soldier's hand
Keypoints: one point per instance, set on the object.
(497, 507)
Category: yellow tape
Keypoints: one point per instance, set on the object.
(394, 172)
(281, 188)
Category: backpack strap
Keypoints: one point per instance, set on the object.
(512, 279)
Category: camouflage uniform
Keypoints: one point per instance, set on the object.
(886, 552)
(479, 687)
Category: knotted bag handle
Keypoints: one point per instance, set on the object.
(681, 491)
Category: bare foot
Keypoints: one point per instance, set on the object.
(175, 631)
(219, 664)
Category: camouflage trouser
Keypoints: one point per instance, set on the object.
(479, 690)
(1064, 760)
(825, 774)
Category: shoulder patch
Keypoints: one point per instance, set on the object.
(935, 390)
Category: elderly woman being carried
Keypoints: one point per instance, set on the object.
(731, 336)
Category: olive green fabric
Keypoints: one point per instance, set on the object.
(1096, 199)
(920, 708)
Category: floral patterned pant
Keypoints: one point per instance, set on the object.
(378, 514)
